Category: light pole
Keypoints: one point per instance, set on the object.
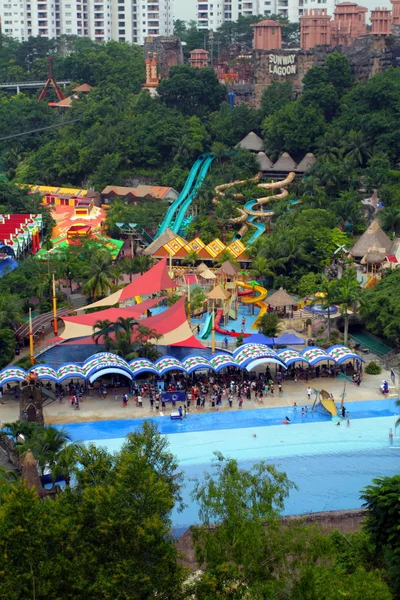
(128, 229)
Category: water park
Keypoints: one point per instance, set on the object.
(183, 344)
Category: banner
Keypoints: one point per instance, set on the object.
(179, 397)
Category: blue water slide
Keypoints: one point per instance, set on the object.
(169, 217)
(192, 196)
(260, 227)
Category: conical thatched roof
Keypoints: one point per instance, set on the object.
(252, 142)
(374, 256)
(264, 163)
(30, 473)
(285, 163)
(202, 267)
(373, 236)
(162, 239)
(227, 268)
(308, 161)
(207, 274)
(218, 293)
(281, 298)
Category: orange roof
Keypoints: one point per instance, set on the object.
(267, 23)
(85, 87)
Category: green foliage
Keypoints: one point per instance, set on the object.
(373, 368)
(294, 128)
(380, 308)
(308, 284)
(193, 91)
(275, 96)
(7, 346)
(98, 275)
(109, 532)
(269, 324)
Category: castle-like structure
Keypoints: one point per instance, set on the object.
(317, 28)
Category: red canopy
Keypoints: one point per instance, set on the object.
(112, 314)
(155, 280)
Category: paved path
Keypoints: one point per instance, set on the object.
(93, 408)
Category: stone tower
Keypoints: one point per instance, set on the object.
(31, 402)
(267, 35)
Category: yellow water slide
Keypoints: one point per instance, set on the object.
(329, 405)
(257, 301)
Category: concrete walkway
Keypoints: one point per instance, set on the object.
(94, 408)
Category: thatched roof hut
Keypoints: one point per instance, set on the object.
(252, 142)
(281, 298)
(264, 163)
(285, 163)
(374, 256)
(201, 267)
(227, 268)
(373, 236)
(207, 274)
(308, 161)
(218, 293)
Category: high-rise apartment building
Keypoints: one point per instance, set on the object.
(101, 20)
(211, 14)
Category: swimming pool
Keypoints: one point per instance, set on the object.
(329, 464)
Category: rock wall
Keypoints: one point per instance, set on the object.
(367, 56)
(167, 50)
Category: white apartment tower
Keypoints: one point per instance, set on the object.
(101, 20)
(211, 14)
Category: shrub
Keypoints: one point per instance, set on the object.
(373, 368)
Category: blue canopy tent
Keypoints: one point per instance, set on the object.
(259, 338)
(289, 339)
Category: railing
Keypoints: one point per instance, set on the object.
(27, 84)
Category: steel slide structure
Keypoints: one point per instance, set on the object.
(188, 190)
(257, 301)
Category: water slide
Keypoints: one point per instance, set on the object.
(218, 329)
(207, 327)
(257, 301)
(329, 405)
(248, 215)
(169, 217)
(204, 168)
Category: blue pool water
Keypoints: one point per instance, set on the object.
(329, 464)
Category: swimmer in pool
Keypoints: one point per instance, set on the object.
(254, 435)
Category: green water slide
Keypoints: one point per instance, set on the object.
(173, 209)
(208, 158)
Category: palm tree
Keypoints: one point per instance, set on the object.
(143, 263)
(45, 445)
(260, 268)
(356, 148)
(18, 428)
(99, 275)
(329, 289)
(191, 258)
(224, 257)
(348, 295)
(129, 266)
(390, 218)
(123, 345)
(101, 330)
(66, 463)
(125, 325)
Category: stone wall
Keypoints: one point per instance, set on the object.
(367, 56)
(167, 50)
